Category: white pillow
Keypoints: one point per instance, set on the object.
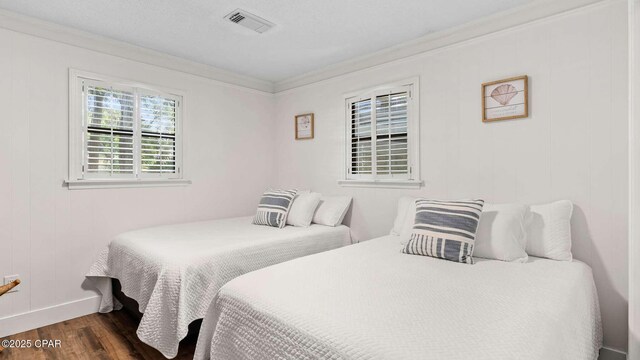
(302, 210)
(332, 210)
(502, 232)
(403, 204)
(549, 232)
(406, 228)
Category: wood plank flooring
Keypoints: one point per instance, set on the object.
(95, 336)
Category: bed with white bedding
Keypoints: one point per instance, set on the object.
(174, 271)
(370, 301)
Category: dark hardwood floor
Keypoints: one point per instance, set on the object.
(95, 336)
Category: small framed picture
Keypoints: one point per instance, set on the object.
(505, 99)
(304, 126)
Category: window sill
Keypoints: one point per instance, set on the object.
(382, 183)
(120, 183)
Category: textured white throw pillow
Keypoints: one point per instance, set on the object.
(502, 232)
(549, 232)
(403, 205)
(332, 210)
(303, 208)
(408, 220)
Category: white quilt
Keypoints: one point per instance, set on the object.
(369, 301)
(174, 271)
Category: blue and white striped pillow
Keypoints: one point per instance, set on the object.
(445, 229)
(274, 207)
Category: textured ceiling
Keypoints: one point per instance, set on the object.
(308, 34)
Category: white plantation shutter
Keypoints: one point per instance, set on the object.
(158, 134)
(391, 134)
(128, 132)
(361, 154)
(109, 135)
(378, 133)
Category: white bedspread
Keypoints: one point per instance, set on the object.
(369, 301)
(174, 271)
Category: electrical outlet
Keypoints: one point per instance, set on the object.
(10, 278)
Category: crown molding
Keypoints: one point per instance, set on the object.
(521, 15)
(537, 10)
(67, 35)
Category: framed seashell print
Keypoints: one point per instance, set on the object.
(304, 126)
(505, 99)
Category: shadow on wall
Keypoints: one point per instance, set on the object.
(347, 217)
(613, 304)
(361, 225)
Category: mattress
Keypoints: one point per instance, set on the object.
(370, 301)
(174, 271)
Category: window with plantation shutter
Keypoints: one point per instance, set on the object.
(361, 155)
(109, 137)
(392, 148)
(158, 134)
(382, 136)
(124, 132)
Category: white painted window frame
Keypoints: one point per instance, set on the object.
(80, 180)
(413, 135)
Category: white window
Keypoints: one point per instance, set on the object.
(382, 136)
(123, 133)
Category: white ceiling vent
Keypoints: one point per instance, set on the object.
(249, 21)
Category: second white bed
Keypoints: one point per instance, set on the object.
(370, 301)
(174, 271)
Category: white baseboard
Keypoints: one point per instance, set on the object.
(611, 354)
(46, 316)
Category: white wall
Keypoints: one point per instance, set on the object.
(634, 179)
(573, 146)
(49, 234)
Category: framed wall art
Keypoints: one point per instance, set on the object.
(505, 99)
(304, 126)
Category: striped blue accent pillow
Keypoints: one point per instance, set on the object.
(274, 208)
(445, 229)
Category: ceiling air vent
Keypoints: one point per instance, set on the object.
(249, 21)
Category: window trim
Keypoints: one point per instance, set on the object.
(413, 135)
(126, 183)
(76, 179)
